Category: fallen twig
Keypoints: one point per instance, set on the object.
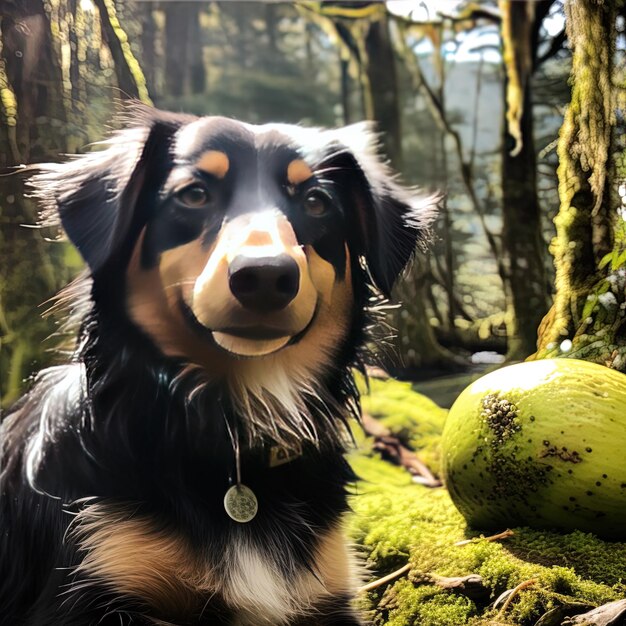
(523, 585)
(385, 579)
(505, 534)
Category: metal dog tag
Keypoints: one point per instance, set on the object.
(241, 503)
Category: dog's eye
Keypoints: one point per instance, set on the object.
(195, 196)
(316, 204)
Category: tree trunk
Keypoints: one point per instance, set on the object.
(184, 62)
(195, 55)
(526, 283)
(34, 75)
(130, 77)
(380, 67)
(587, 319)
(148, 45)
(525, 277)
(344, 65)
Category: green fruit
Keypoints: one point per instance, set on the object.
(540, 444)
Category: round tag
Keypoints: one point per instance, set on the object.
(241, 503)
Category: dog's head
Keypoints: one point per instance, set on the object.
(233, 240)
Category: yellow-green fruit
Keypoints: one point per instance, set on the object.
(540, 444)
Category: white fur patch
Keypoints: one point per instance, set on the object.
(256, 586)
(264, 594)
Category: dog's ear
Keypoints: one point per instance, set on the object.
(95, 195)
(394, 220)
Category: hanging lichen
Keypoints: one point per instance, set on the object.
(517, 26)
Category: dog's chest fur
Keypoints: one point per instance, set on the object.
(259, 583)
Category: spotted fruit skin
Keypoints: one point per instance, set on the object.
(540, 444)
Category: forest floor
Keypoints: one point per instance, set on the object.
(398, 523)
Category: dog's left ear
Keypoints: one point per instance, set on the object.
(97, 196)
(394, 220)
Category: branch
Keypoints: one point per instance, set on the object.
(555, 45)
(436, 109)
(474, 12)
(385, 579)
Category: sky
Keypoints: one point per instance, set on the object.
(470, 46)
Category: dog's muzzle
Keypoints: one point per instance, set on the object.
(255, 293)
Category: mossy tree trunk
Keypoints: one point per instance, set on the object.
(148, 44)
(32, 122)
(130, 76)
(587, 319)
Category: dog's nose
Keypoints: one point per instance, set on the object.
(264, 284)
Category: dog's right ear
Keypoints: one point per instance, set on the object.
(95, 195)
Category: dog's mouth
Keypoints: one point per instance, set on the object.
(256, 333)
(253, 339)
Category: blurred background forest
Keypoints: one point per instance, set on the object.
(470, 98)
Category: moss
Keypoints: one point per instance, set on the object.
(396, 521)
(426, 605)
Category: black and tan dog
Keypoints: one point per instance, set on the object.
(187, 466)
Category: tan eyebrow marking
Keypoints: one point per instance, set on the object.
(214, 162)
(298, 171)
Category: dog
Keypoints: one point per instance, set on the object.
(187, 465)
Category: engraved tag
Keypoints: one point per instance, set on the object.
(280, 455)
(241, 503)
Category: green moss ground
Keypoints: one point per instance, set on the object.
(396, 521)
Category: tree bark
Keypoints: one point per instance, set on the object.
(34, 75)
(345, 89)
(195, 55)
